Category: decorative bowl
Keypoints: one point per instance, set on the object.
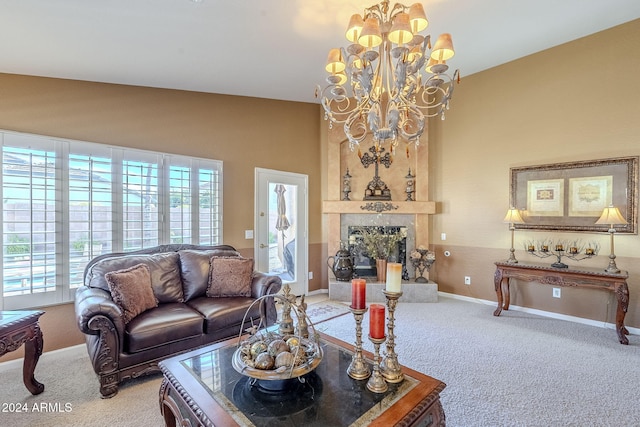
(307, 357)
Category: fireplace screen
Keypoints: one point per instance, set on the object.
(365, 265)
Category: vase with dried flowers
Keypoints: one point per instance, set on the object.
(379, 244)
(422, 259)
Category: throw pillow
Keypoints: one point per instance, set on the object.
(131, 290)
(230, 277)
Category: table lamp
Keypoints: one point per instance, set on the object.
(612, 216)
(513, 217)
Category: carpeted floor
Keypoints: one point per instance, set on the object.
(515, 370)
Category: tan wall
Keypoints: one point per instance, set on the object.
(243, 132)
(578, 101)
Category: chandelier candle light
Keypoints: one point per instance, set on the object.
(385, 83)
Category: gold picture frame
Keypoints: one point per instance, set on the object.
(571, 196)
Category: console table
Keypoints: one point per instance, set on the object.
(21, 327)
(581, 278)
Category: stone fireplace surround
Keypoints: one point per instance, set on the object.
(368, 220)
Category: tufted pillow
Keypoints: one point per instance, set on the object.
(230, 277)
(131, 290)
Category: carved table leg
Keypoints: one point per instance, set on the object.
(32, 352)
(622, 292)
(506, 293)
(497, 278)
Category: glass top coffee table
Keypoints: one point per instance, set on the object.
(202, 388)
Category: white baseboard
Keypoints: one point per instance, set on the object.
(591, 322)
(318, 292)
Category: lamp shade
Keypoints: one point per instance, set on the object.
(335, 63)
(370, 35)
(355, 28)
(513, 217)
(418, 18)
(436, 67)
(400, 30)
(611, 215)
(443, 49)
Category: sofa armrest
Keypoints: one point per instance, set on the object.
(100, 318)
(92, 302)
(264, 284)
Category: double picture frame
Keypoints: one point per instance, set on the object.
(571, 196)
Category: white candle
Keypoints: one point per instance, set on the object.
(394, 277)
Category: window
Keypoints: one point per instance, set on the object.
(66, 202)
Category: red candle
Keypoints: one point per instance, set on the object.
(358, 293)
(376, 321)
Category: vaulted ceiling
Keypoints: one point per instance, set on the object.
(264, 48)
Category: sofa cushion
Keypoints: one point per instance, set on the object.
(220, 313)
(194, 266)
(230, 277)
(164, 269)
(131, 290)
(162, 325)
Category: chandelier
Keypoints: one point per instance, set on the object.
(376, 85)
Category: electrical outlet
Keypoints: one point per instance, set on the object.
(556, 292)
(311, 275)
(467, 280)
(443, 236)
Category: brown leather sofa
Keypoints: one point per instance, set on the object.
(185, 317)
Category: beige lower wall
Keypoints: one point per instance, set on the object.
(561, 105)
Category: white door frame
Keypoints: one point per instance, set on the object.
(261, 224)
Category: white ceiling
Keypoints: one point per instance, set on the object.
(264, 48)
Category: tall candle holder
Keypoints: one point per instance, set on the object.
(358, 369)
(376, 382)
(389, 367)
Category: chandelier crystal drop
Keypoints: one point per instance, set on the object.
(386, 82)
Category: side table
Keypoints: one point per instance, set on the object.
(21, 327)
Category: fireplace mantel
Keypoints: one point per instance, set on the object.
(356, 206)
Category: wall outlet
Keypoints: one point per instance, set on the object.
(311, 275)
(467, 280)
(443, 236)
(556, 292)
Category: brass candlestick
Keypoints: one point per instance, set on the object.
(389, 367)
(358, 369)
(376, 382)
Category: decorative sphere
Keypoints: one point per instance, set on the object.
(264, 361)
(257, 348)
(284, 359)
(277, 346)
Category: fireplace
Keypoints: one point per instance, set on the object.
(364, 264)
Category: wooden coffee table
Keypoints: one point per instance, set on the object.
(201, 388)
(21, 327)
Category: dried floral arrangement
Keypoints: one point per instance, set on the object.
(378, 244)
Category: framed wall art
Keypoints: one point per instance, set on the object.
(571, 196)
